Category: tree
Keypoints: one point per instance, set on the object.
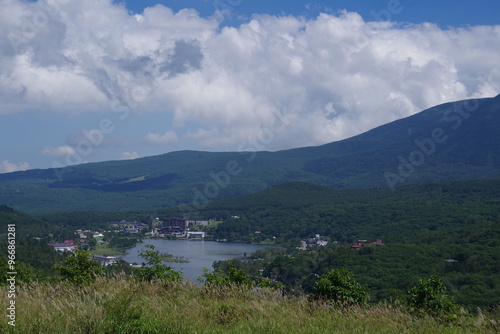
(234, 277)
(429, 298)
(80, 268)
(340, 286)
(24, 272)
(154, 268)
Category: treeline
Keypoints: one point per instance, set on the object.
(422, 213)
(92, 219)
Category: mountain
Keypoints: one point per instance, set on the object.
(458, 140)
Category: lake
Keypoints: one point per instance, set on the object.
(199, 253)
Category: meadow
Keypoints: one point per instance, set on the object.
(120, 305)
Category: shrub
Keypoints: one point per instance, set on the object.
(429, 298)
(154, 268)
(234, 277)
(340, 286)
(79, 268)
(24, 272)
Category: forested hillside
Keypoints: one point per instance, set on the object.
(293, 211)
(32, 236)
(453, 141)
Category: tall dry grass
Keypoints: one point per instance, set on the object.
(117, 305)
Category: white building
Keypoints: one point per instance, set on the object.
(196, 235)
(105, 260)
(67, 246)
(197, 222)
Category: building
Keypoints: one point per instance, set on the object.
(174, 225)
(196, 235)
(141, 226)
(362, 243)
(122, 224)
(105, 260)
(131, 230)
(196, 223)
(66, 246)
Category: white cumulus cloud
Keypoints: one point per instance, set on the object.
(129, 156)
(332, 76)
(8, 167)
(167, 138)
(64, 150)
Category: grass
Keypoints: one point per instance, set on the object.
(117, 305)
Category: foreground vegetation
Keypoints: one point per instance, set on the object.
(153, 299)
(118, 305)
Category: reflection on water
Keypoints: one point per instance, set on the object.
(199, 253)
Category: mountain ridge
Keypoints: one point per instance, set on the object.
(452, 141)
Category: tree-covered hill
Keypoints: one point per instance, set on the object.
(459, 140)
(31, 236)
(291, 211)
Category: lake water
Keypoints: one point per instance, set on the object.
(199, 253)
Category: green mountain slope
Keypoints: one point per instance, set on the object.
(31, 241)
(453, 141)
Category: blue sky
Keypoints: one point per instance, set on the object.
(105, 80)
(443, 12)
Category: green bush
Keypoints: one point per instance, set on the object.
(429, 298)
(79, 268)
(340, 286)
(154, 268)
(24, 272)
(234, 277)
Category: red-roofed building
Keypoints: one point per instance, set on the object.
(66, 246)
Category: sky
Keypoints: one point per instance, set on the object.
(98, 80)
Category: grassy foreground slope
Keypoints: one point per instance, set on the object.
(122, 306)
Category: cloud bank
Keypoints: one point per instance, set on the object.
(129, 156)
(168, 138)
(8, 167)
(58, 151)
(326, 78)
